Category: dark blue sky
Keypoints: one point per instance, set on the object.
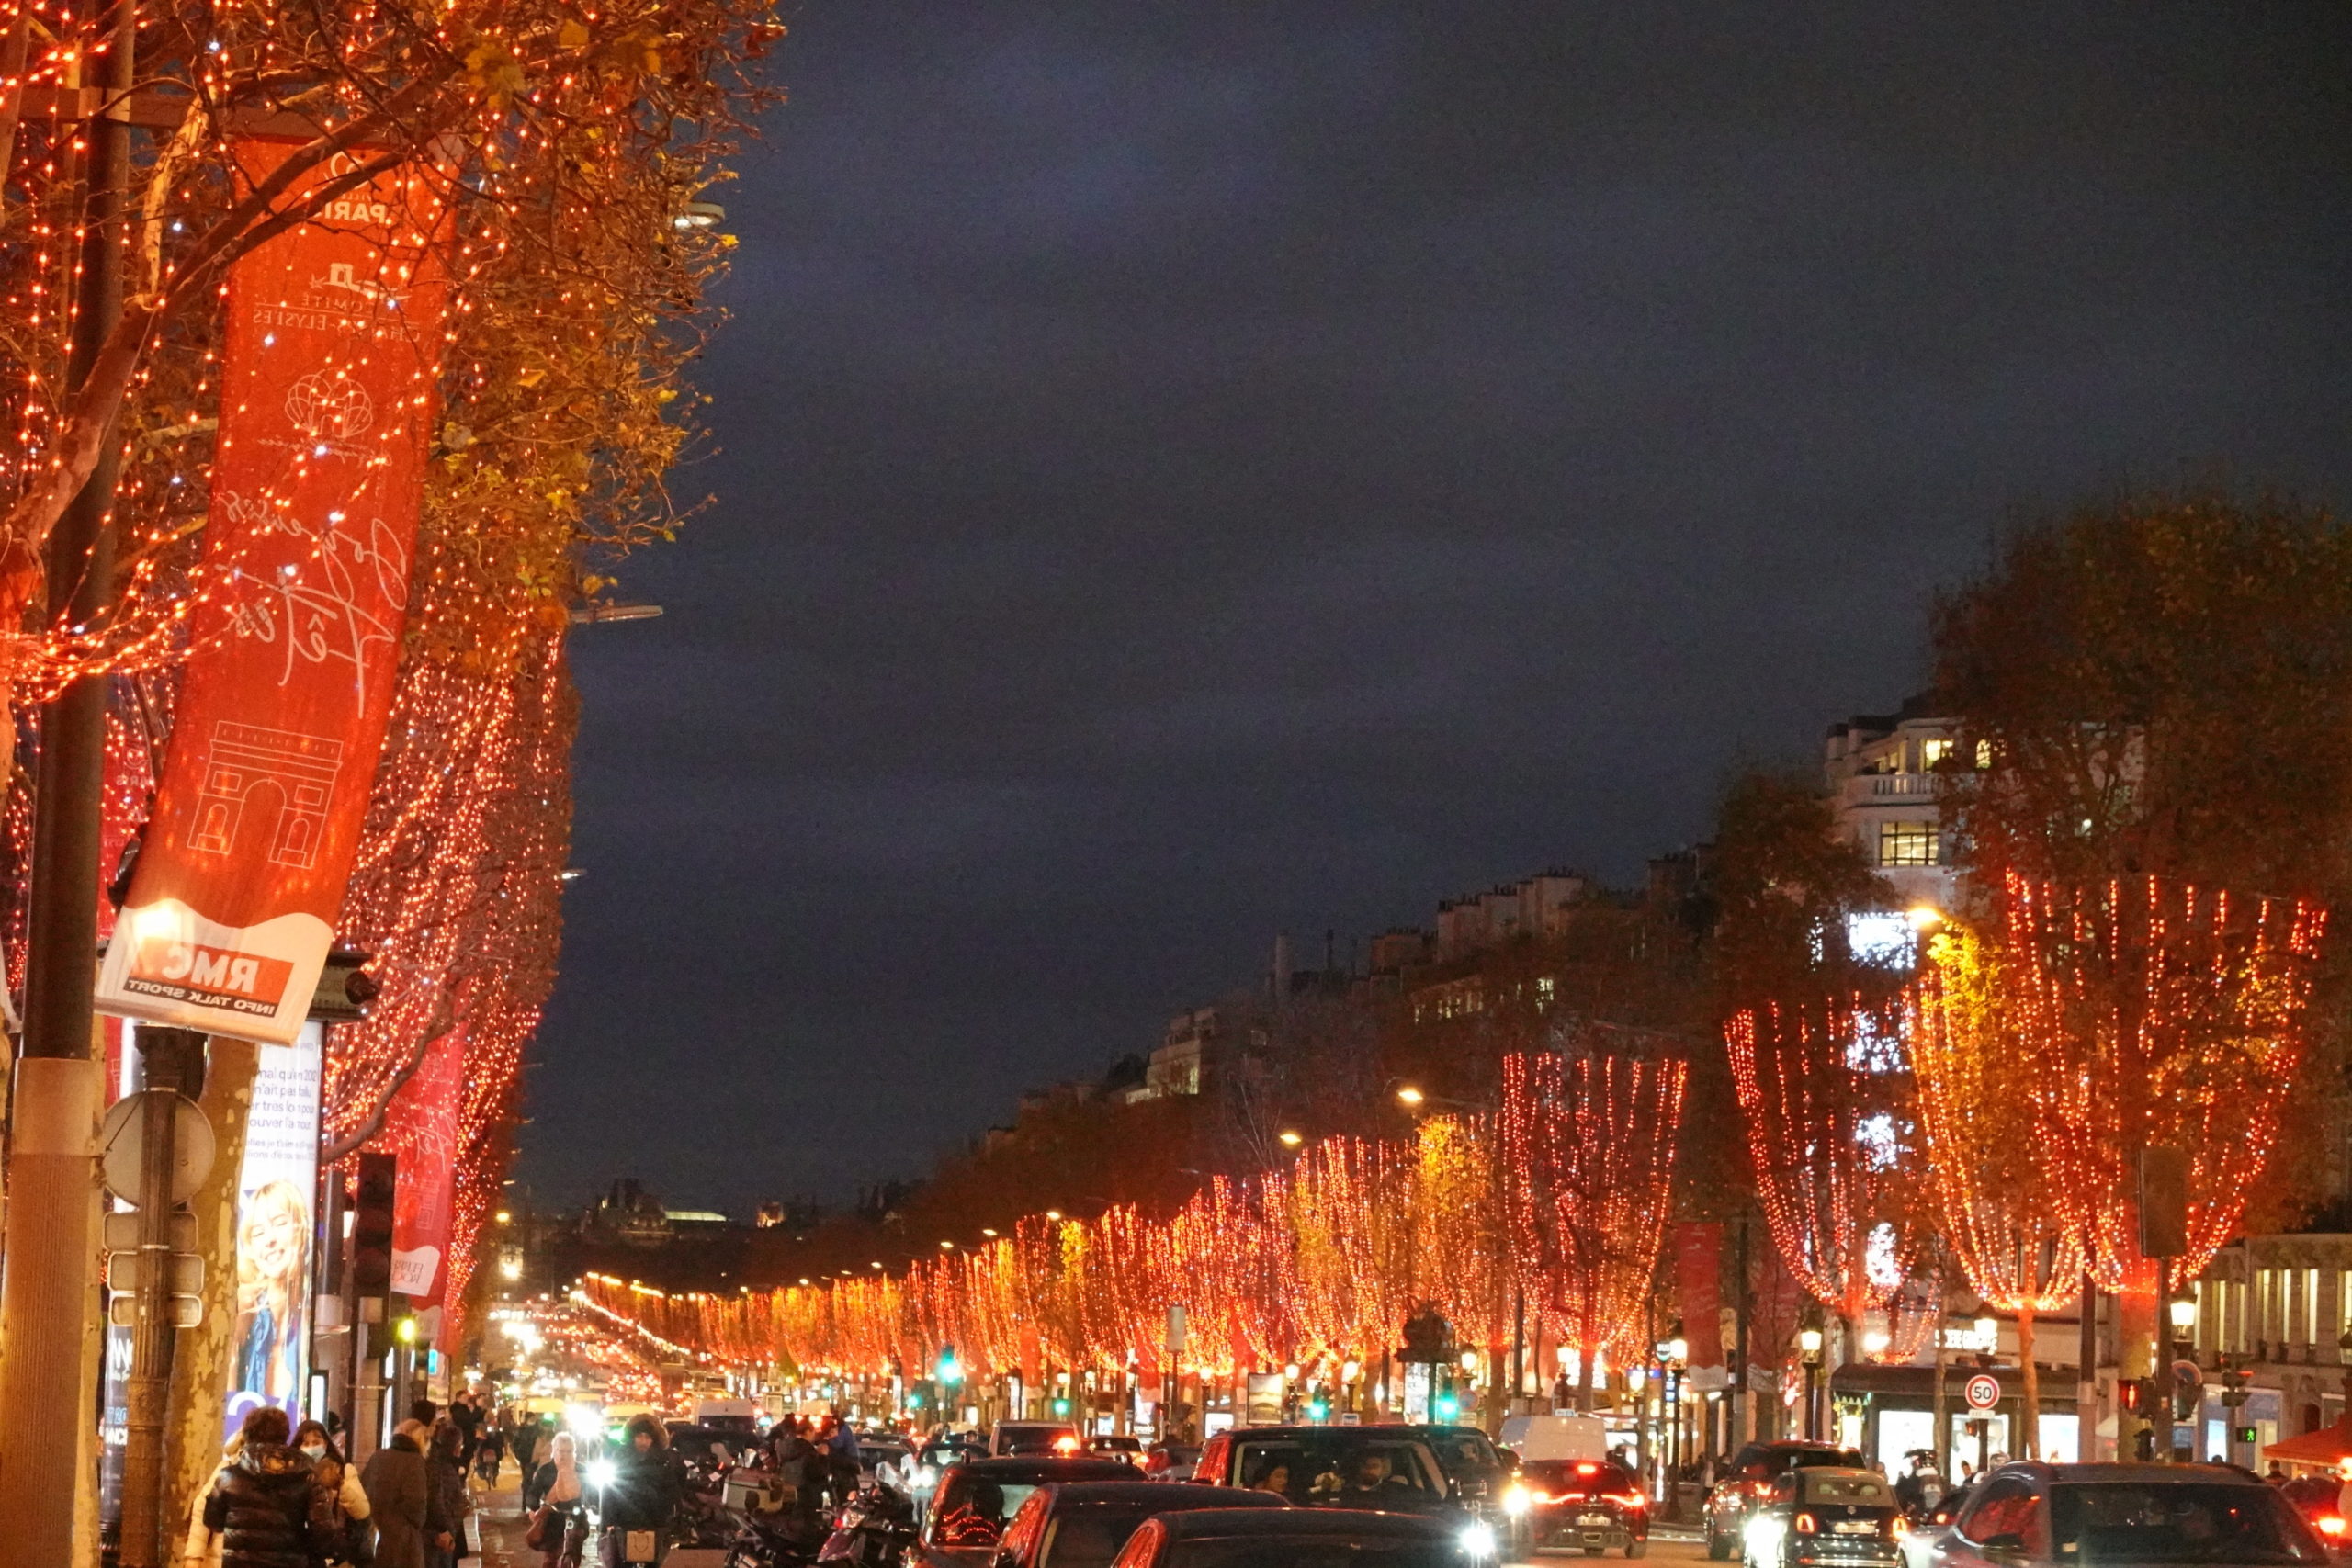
(1194, 469)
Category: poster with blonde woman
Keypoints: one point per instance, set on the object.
(270, 1342)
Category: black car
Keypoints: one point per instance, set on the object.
(1747, 1485)
(975, 1500)
(1303, 1537)
(1588, 1505)
(1822, 1518)
(1478, 1470)
(1390, 1469)
(1083, 1524)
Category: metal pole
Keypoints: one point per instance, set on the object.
(50, 1248)
(2160, 1418)
(1519, 1350)
(170, 1054)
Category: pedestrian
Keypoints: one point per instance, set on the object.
(265, 1508)
(446, 1502)
(489, 1452)
(638, 1503)
(465, 1409)
(342, 1483)
(848, 1464)
(559, 1524)
(394, 1479)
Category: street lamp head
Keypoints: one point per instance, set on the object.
(1053, 1213)
(1988, 1332)
(1469, 1360)
(1809, 1340)
(1409, 1095)
(2183, 1310)
(1924, 917)
(1291, 1137)
(1677, 1350)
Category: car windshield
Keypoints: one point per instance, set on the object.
(1830, 1487)
(1578, 1477)
(1464, 1453)
(1339, 1472)
(973, 1510)
(2157, 1522)
(1089, 1537)
(1315, 1551)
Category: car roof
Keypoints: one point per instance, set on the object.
(2179, 1474)
(1162, 1496)
(1198, 1523)
(1391, 1430)
(1044, 1468)
(1814, 1472)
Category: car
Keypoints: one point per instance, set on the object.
(1390, 1469)
(876, 1450)
(2319, 1498)
(1171, 1462)
(1128, 1449)
(1478, 1470)
(699, 1444)
(2062, 1515)
(976, 1499)
(1305, 1538)
(1920, 1541)
(1826, 1515)
(1015, 1438)
(1083, 1524)
(1748, 1482)
(1590, 1504)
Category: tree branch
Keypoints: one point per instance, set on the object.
(444, 1020)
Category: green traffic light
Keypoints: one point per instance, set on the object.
(1061, 1406)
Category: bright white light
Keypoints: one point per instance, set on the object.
(1478, 1539)
(1883, 1256)
(1881, 937)
(1763, 1535)
(1881, 1146)
(601, 1473)
(1516, 1500)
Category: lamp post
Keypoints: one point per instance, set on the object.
(2180, 1316)
(1809, 1340)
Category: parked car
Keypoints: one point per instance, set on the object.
(2076, 1515)
(1011, 1439)
(976, 1499)
(1827, 1516)
(1083, 1524)
(1303, 1537)
(1387, 1468)
(1748, 1482)
(1592, 1504)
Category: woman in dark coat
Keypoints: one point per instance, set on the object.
(394, 1481)
(267, 1507)
(446, 1502)
(648, 1484)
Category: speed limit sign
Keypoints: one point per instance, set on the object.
(1984, 1392)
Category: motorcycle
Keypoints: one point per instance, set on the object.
(874, 1531)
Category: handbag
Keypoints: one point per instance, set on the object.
(637, 1546)
(536, 1537)
(359, 1542)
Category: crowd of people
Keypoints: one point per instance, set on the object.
(285, 1496)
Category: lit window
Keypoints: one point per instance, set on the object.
(1933, 751)
(1907, 843)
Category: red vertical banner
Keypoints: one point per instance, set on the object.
(332, 351)
(1697, 1276)
(420, 1126)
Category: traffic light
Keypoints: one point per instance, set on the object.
(1061, 1406)
(371, 1224)
(950, 1373)
(1319, 1410)
(1448, 1407)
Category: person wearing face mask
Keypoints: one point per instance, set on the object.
(342, 1480)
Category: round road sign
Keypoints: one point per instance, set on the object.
(121, 1139)
(1984, 1392)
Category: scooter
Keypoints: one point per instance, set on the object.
(874, 1531)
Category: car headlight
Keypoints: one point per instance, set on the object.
(1516, 1501)
(1478, 1539)
(926, 1478)
(602, 1472)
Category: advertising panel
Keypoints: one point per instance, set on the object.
(422, 1125)
(270, 1342)
(333, 342)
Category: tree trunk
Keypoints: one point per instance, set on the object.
(192, 1436)
(2029, 1393)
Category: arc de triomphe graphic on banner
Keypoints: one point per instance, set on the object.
(245, 759)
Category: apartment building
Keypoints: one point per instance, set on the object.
(1885, 772)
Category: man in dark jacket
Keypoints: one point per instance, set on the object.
(267, 1508)
(394, 1482)
(648, 1484)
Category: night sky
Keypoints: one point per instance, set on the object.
(1192, 470)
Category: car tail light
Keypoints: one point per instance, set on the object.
(2331, 1525)
(1807, 1524)
(1588, 1468)
(1898, 1527)
(1629, 1499)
